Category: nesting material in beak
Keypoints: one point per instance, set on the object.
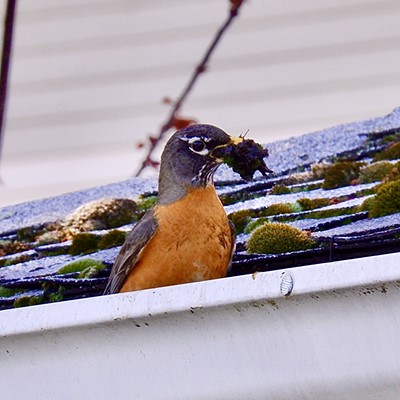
(244, 156)
(235, 140)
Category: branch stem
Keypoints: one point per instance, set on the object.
(5, 62)
(198, 70)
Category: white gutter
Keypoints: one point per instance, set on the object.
(336, 336)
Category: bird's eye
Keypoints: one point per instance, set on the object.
(198, 146)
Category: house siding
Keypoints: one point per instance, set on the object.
(88, 77)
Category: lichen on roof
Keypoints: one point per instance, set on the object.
(63, 247)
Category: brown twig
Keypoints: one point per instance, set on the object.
(199, 69)
(5, 61)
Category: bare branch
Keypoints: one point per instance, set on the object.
(199, 69)
(5, 61)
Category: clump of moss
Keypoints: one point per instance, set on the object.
(26, 234)
(17, 260)
(80, 266)
(244, 157)
(230, 198)
(49, 237)
(2, 251)
(279, 208)
(84, 243)
(89, 272)
(102, 214)
(394, 173)
(144, 203)
(25, 301)
(112, 238)
(386, 200)
(56, 296)
(341, 174)
(390, 138)
(275, 238)
(279, 189)
(255, 223)
(318, 170)
(311, 204)
(8, 292)
(366, 204)
(53, 292)
(332, 212)
(12, 246)
(390, 153)
(375, 172)
(240, 219)
(299, 177)
(312, 186)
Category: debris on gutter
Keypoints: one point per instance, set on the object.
(340, 186)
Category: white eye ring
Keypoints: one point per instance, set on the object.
(197, 145)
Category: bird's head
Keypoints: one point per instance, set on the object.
(190, 160)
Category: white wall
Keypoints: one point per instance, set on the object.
(88, 77)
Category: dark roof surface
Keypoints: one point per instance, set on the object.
(40, 239)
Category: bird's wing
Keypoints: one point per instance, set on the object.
(136, 240)
(233, 236)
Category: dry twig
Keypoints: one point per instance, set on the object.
(5, 60)
(173, 119)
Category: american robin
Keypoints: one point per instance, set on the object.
(186, 236)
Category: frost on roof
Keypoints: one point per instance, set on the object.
(51, 209)
(37, 263)
(289, 154)
(268, 200)
(363, 226)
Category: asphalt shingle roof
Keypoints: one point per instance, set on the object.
(30, 266)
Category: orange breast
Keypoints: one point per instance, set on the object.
(193, 243)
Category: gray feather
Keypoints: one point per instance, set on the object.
(136, 240)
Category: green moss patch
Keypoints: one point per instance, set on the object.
(26, 234)
(312, 204)
(26, 301)
(392, 152)
(331, 212)
(275, 238)
(240, 219)
(394, 174)
(279, 189)
(386, 200)
(16, 260)
(56, 296)
(8, 292)
(255, 223)
(113, 238)
(80, 266)
(375, 172)
(144, 203)
(341, 174)
(279, 208)
(49, 237)
(84, 243)
(103, 214)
